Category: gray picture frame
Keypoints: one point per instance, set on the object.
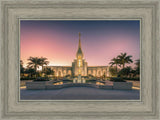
(13, 108)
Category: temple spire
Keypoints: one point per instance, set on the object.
(79, 40)
(79, 51)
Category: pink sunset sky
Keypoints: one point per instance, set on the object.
(58, 40)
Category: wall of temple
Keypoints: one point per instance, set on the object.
(98, 71)
(61, 71)
(83, 68)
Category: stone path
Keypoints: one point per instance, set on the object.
(79, 93)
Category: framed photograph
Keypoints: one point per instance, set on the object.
(111, 70)
(80, 59)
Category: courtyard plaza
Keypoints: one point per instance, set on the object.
(81, 93)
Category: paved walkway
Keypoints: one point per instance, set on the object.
(79, 93)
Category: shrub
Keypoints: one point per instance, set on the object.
(68, 75)
(125, 71)
(113, 71)
(135, 78)
(41, 79)
(117, 79)
(91, 81)
(67, 80)
(27, 78)
(85, 77)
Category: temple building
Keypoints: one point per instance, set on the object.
(80, 66)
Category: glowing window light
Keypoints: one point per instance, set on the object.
(99, 83)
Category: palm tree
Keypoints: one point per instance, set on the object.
(43, 61)
(115, 61)
(137, 63)
(30, 71)
(137, 66)
(22, 68)
(49, 71)
(125, 71)
(123, 59)
(112, 71)
(34, 62)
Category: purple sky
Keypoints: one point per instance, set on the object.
(58, 40)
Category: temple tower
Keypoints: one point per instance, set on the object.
(79, 66)
(79, 57)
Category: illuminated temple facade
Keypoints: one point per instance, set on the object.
(80, 66)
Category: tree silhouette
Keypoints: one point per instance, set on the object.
(123, 59)
(22, 69)
(34, 62)
(125, 71)
(115, 61)
(30, 71)
(48, 71)
(137, 66)
(113, 71)
(43, 61)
